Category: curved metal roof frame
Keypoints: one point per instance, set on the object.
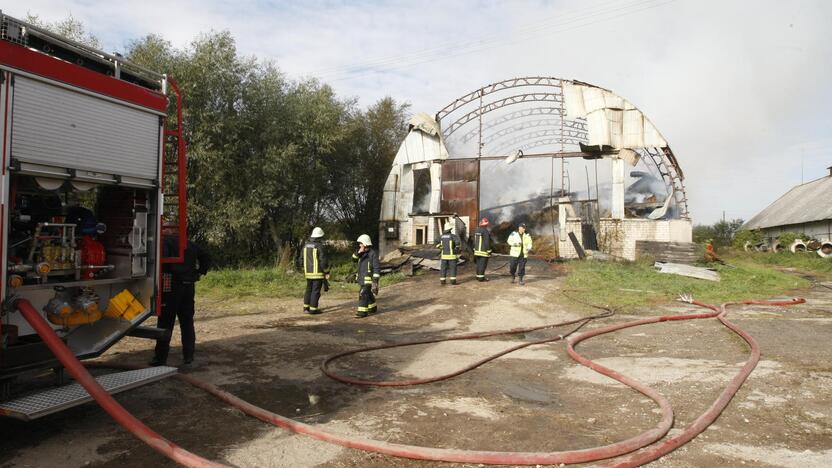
(567, 137)
(663, 158)
(495, 87)
(519, 114)
(572, 128)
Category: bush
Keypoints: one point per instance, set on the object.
(787, 238)
(754, 236)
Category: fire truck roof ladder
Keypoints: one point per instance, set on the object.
(31, 36)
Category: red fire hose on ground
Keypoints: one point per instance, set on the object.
(104, 399)
(636, 457)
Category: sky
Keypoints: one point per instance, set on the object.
(740, 89)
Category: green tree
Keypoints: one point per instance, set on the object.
(268, 157)
(69, 27)
(365, 159)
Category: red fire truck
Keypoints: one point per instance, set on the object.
(91, 165)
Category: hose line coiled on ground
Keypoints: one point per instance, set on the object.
(631, 452)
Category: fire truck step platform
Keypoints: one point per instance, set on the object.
(58, 399)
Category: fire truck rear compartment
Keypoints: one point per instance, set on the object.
(81, 253)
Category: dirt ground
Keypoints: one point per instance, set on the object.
(536, 399)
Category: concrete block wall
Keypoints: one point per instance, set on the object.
(618, 236)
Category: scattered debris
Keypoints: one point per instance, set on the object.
(687, 270)
(577, 245)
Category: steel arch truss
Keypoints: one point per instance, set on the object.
(494, 105)
(671, 175)
(566, 136)
(544, 115)
(573, 128)
(495, 87)
(517, 117)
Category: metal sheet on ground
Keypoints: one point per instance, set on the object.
(687, 270)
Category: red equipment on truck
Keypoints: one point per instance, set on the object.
(89, 170)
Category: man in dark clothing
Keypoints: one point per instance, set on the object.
(178, 281)
(449, 247)
(369, 274)
(482, 248)
(316, 271)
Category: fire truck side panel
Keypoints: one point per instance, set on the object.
(56, 126)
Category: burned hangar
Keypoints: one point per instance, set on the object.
(563, 156)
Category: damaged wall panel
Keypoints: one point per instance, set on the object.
(460, 192)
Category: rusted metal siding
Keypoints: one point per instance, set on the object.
(460, 194)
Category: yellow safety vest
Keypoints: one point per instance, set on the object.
(520, 242)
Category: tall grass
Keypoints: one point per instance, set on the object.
(628, 286)
(280, 281)
(806, 262)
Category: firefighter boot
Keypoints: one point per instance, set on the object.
(513, 279)
(522, 282)
(453, 281)
(157, 361)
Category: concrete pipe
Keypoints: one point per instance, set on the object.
(825, 249)
(776, 246)
(813, 245)
(749, 247)
(761, 247)
(798, 246)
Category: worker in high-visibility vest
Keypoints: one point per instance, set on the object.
(482, 248)
(369, 274)
(315, 269)
(521, 246)
(449, 247)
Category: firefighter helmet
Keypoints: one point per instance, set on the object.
(365, 239)
(484, 222)
(448, 226)
(317, 233)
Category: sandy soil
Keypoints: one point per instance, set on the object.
(536, 399)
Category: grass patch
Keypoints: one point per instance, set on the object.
(627, 286)
(275, 282)
(810, 262)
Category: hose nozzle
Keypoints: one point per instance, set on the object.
(686, 297)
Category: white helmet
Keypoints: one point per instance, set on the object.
(365, 239)
(317, 233)
(448, 226)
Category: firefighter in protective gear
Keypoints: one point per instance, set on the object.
(316, 271)
(369, 274)
(449, 246)
(482, 248)
(521, 245)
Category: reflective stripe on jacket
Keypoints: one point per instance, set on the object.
(315, 264)
(369, 269)
(482, 242)
(448, 246)
(520, 243)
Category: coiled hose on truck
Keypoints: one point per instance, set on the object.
(639, 448)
